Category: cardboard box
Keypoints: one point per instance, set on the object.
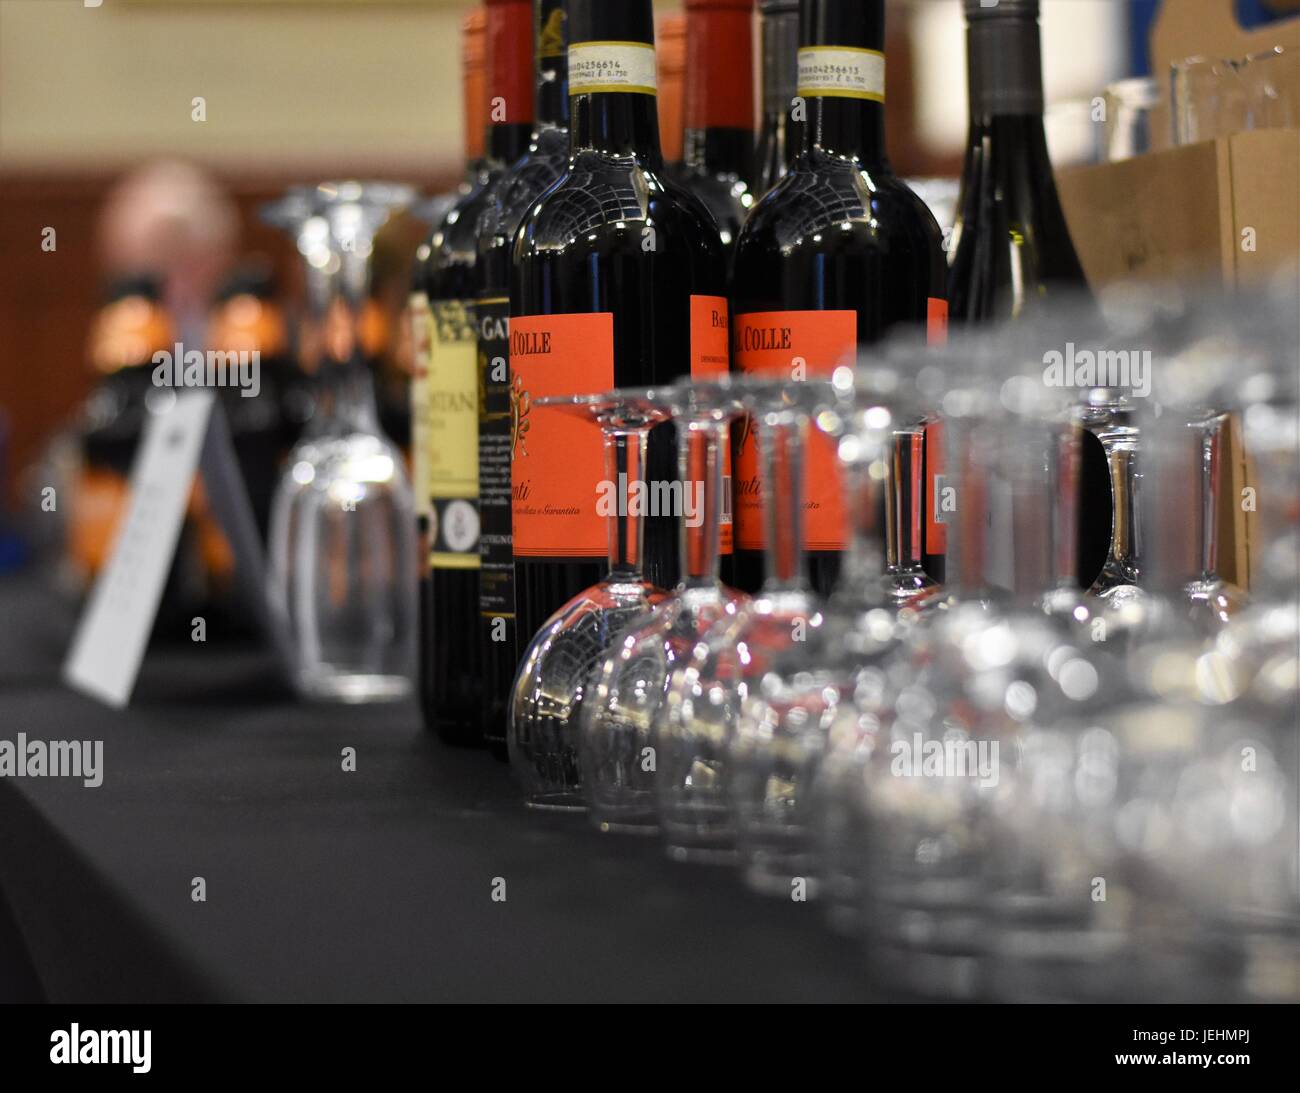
(1224, 212)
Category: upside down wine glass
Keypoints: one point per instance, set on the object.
(694, 728)
(342, 553)
(554, 677)
(618, 754)
(784, 729)
(960, 701)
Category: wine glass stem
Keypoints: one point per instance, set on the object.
(866, 502)
(700, 444)
(903, 515)
(1211, 477)
(625, 452)
(1065, 469)
(780, 441)
(346, 395)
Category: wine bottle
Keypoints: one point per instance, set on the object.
(246, 318)
(779, 135)
(1011, 247)
(618, 280)
(719, 110)
(447, 392)
(508, 199)
(834, 255)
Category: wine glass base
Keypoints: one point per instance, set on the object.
(626, 827)
(926, 974)
(777, 879)
(558, 801)
(702, 855)
(352, 687)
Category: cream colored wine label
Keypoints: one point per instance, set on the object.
(842, 72)
(612, 66)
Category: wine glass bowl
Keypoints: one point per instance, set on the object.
(555, 677)
(620, 751)
(707, 690)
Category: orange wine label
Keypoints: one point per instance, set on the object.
(711, 358)
(936, 321)
(556, 457)
(795, 345)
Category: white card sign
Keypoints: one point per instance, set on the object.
(114, 630)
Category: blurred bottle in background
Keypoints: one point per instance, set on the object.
(129, 329)
(247, 318)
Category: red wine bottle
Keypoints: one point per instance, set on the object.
(718, 139)
(619, 279)
(837, 253)
(1011, 249)
(508, 199)
(446, 366)
(780, 132)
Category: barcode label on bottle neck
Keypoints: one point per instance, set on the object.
(842, 72)
(600, 67)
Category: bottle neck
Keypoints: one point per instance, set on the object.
(474, 93)
(780, 45)
(616, 123)
(510, 79)
(720, 151)
(552, 92)
(847, 129)
(778, 144)
(842, 78)
(719, 95)
(1004, 67)
(507, 142)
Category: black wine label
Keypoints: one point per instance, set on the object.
(497, 567)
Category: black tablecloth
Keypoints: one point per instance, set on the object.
(324, 885)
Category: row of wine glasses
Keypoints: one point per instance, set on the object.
(1005, 785)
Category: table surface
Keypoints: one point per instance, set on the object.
(326, 885)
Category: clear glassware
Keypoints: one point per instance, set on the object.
(617, 744)
(1216, 97)
(1209, 97)
(961, 698)
(705, 694)
(1073, 139)
(1248, 791)
(1111, 415)
(909, 585)
(1272, 79)
(1156, 832)
(342, 552)
(812, 712)
(1129, 105)
(555, 676)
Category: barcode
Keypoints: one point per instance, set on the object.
(726, 499)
